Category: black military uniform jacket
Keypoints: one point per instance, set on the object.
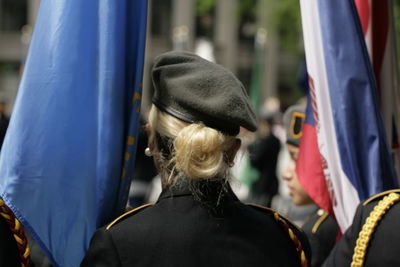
(383, 248)
(179, 231)
(321, 230)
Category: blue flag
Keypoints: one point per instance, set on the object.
(70, 145)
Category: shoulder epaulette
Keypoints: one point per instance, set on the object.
(288, 227)
(273, 212)
(370, 225)
(380, 195)
(323, 215)
(131, 212)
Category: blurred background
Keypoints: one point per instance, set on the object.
(259, 40)
(224, 30)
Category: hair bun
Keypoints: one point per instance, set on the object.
(199, 151)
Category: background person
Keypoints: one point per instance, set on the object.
(320, 228)
(263, 155)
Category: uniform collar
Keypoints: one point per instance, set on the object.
(182, 190)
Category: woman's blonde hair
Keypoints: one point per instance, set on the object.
(195, 150)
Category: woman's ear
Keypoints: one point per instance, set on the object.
(231, 153)
(150, 137)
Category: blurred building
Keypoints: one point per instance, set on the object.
(222, 32)
(219, 34)
(16, 16)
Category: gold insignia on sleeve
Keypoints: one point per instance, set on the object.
(323, 216)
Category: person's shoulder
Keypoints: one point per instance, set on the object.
(381, 214)
(383, 201)
(276, 215)
(374, 208)
(294, 233)
(321, 222)
(390, 194)
(382, 206)
(127, 216)
(375, 222)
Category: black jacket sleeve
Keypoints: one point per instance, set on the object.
(102, 251)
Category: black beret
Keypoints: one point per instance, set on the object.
(195, 90)
(293, 120)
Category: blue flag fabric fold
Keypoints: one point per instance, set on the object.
(71, 139)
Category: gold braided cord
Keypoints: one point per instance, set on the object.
(293, 237)
(18, 239)
(5, 215)
(282, 221)
(27, 252)
(303, 256)
(369, 226)
(18, 233)
(17, 224)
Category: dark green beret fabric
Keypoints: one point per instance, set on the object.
(293, 120)
(195, 90)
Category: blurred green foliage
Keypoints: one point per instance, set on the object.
(204, 6)
(285, 20)
(282, 18)
(7, 67)
(247, 7)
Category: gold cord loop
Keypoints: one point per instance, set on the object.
(369, 226)
(18, 233)
(283, 222)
